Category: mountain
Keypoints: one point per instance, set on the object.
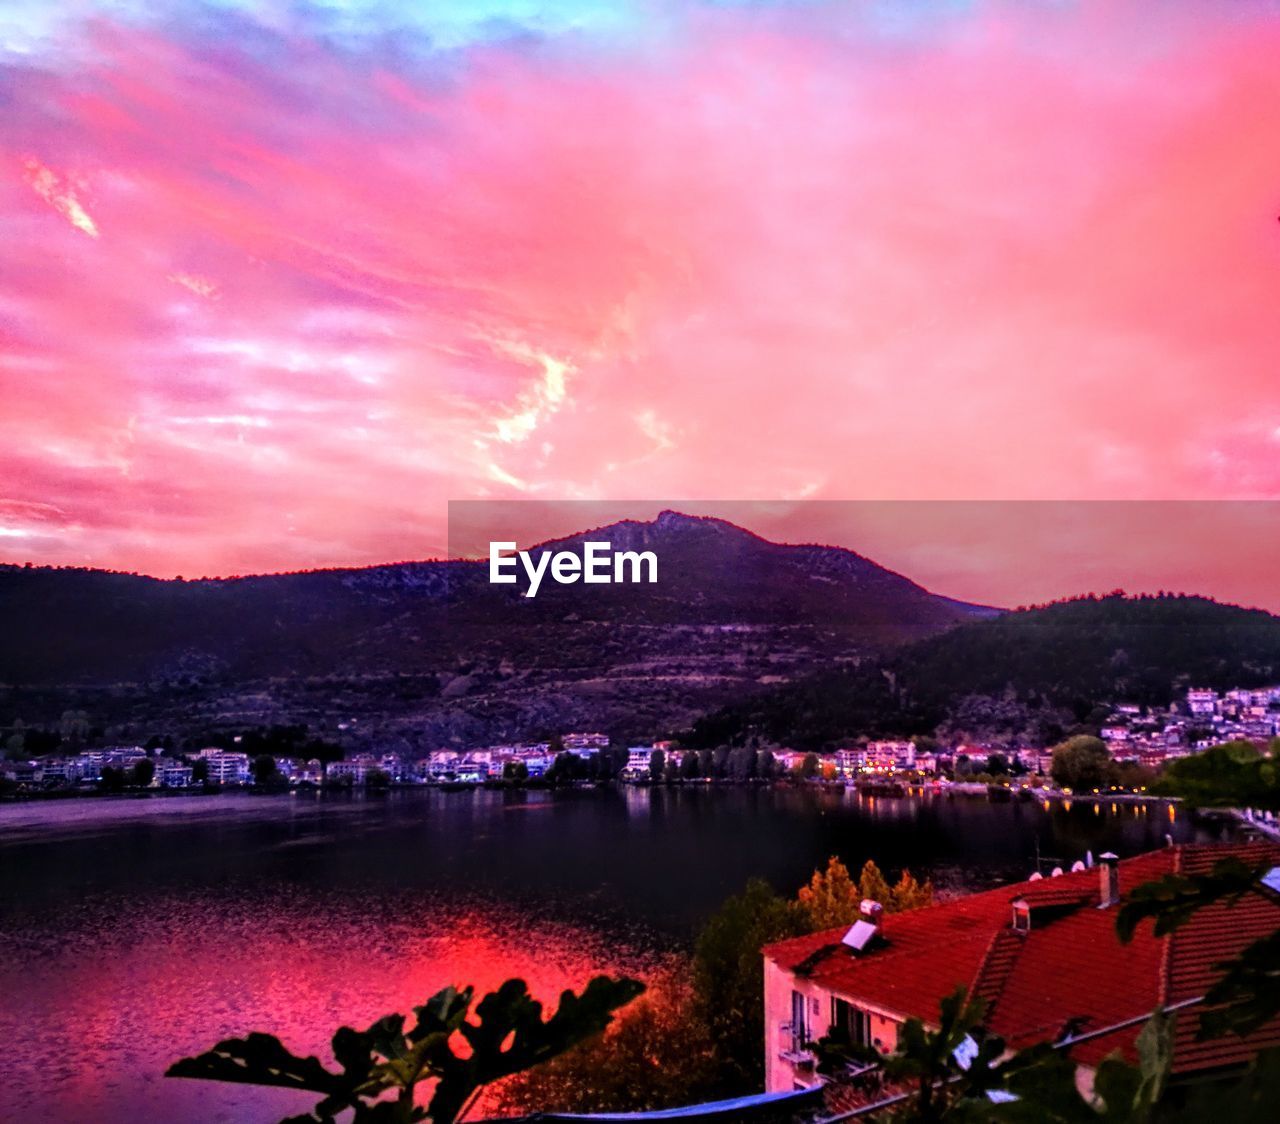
(1033, 674)
(432, 652)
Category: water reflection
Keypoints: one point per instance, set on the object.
(132, 932)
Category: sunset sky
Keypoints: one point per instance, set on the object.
(279, 280)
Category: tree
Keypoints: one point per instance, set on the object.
(872, 885)
(657, 765)
(1081, 763)
(807, 767)
(507, 1036)
(142, 772)
(741, 764)
(831, 898)
(656, 1054)
(909, 894)
(200, 771)
(111, 780)
(264, 769)
(728, 975)
(1234, 774)
(563, 768)
(689, 765)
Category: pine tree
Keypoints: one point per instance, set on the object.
(831, 898)
(872, 885)
(910, 894)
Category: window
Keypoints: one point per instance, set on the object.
(798, 1033)
(849, 1022)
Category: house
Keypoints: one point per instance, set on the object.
(1042, 953)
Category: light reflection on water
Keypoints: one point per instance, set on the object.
(133, 932)
(93, 1016)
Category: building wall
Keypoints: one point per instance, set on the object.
(781, 1074)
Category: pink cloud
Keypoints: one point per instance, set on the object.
(1030, 256)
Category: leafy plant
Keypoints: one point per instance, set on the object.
(507, 1035)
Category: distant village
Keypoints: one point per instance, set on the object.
(1146, 737)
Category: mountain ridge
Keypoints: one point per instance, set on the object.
(429, 649)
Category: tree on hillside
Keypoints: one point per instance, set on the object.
(1081, 763)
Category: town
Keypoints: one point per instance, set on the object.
(1139, 742)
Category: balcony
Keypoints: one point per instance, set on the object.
(792, 1047)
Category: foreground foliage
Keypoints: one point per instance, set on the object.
(508, 1035)
(657, 1054)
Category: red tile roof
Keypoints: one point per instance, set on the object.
(1070, 967)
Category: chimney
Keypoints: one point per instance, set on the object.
(1108, 880)
(871, 912)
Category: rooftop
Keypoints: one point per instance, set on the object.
(1070, 967)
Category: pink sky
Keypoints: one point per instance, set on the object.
(270, 296)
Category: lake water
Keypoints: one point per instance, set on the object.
(133, 932)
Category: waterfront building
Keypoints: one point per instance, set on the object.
(356, 769)
(1043, 954)
(60, 770)
(849, 762)
(638, 758)
(170, 773)
(226, 767)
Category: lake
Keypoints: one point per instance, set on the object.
(134, 931)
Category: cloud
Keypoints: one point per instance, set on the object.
(274, 291)
(59, 194)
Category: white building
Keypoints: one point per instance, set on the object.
(226, 768)
(1202, 700)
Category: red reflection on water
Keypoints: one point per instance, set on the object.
(91, 1024)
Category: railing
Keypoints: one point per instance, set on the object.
(793, 1045)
